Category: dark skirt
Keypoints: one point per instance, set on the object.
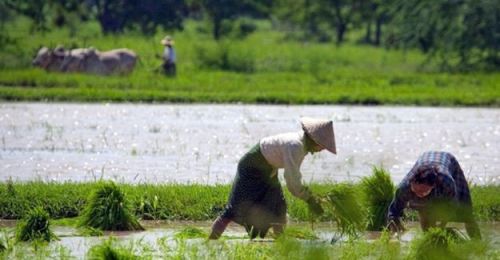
(256, 200)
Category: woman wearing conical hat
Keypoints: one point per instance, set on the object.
(256, 200)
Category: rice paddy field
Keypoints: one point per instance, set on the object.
(74, 176)
(54, 156)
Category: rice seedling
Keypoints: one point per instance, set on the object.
(435, 244)
(108, 209)
(35, 226)
(300, 233)
(167, 201)
(4, 241)
(191, 232)
(109, 251)
(291, 248)
(378, 191)
(346, 210)
(90, 232)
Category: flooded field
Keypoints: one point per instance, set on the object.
(202, 143)
(161, 238)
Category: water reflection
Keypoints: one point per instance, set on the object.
(202, 143)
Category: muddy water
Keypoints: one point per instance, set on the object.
(202, 143)
(160, 237)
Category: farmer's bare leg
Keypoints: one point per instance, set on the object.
(426, 221)
(473, 229)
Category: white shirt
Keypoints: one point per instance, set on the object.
(169, 54)
(287, 151)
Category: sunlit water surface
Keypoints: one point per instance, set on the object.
(202, 143)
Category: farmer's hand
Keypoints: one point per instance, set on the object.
(395, 226)
(315, 206)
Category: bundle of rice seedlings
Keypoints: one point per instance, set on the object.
(378, 191)
(342, 203)
(108, 209)
(434, 244)
(35, 226)
(107, 250)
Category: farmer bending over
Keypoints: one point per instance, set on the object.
(256, 200)
(437, 189)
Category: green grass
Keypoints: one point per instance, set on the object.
(168, 201)
(262, 68)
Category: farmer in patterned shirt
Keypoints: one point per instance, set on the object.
(437, 189)
(256, 200)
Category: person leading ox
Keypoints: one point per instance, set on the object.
(256, 200)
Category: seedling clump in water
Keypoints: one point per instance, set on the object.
(378, 191)
(35, 226)
(346, 210)
(108, 209)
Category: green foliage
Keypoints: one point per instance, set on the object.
(221, 12)
(35, 226)
(378, 191)
(108, 209)
(109, 251)
(346, 209)
(461, 34)
(261, 69)
(147, 15)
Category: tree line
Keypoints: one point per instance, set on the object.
(465, 33)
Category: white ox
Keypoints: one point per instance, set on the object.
(86, 60)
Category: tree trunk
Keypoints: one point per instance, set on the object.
(110, 22)
(378, 31)
(217, 27)
(341, 28)
(368, 35)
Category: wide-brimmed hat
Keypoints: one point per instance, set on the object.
(167, 40)
(321, 131)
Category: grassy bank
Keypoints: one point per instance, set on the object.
(175, 201)
(263, 68)
(275, 88)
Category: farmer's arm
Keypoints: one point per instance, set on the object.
(402, 196)
(292, 174)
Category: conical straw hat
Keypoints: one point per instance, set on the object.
(167, 40)
(321, 131)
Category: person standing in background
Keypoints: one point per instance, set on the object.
(169, 56)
